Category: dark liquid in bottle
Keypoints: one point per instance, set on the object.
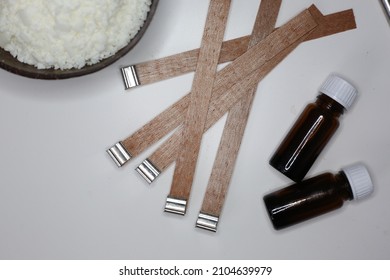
(307, 138)
(307, 199)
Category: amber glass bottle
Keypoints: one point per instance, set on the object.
(318, 195)
(313, 129)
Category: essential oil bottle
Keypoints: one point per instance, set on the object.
(313, 129)
(318, 195)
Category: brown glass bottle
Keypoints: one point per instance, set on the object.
(313, 129)
(318, 195)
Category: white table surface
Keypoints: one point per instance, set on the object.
(62, 197)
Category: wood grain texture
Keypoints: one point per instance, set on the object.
(182, 63)
(157, 128)
(331, 24)
(235, 124)
(201, 92)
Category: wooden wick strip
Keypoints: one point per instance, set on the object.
(222, 171)
(123, 151)
(167, 153)
(179, 64)
(201, 92)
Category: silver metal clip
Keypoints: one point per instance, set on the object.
(119, 154)
(130, 76)
(175, 206)
(148, 171)
(206, 221)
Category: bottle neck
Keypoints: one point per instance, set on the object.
(329, 104)
(344, 187)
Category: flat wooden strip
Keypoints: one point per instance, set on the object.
(166, 154)
(331, 24)
(157, 128)
(201, 92)
(182, 63)
(222, 171)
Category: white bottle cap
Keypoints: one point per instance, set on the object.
(339, 90)
(360, 180)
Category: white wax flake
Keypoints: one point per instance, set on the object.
(68, 34)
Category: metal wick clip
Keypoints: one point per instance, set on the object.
(175, 206)
(148, 171)
(130, 77)
(386, 6)
(119, 154)
(206, 221)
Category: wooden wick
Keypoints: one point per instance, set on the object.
(201, 92)
(178, 64)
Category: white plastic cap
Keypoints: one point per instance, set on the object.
(339, 90)
(359, 179)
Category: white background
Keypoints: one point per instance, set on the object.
(62, 197)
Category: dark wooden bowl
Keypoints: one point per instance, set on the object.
(11, 64)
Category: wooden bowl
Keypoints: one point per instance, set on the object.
(11, 64)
